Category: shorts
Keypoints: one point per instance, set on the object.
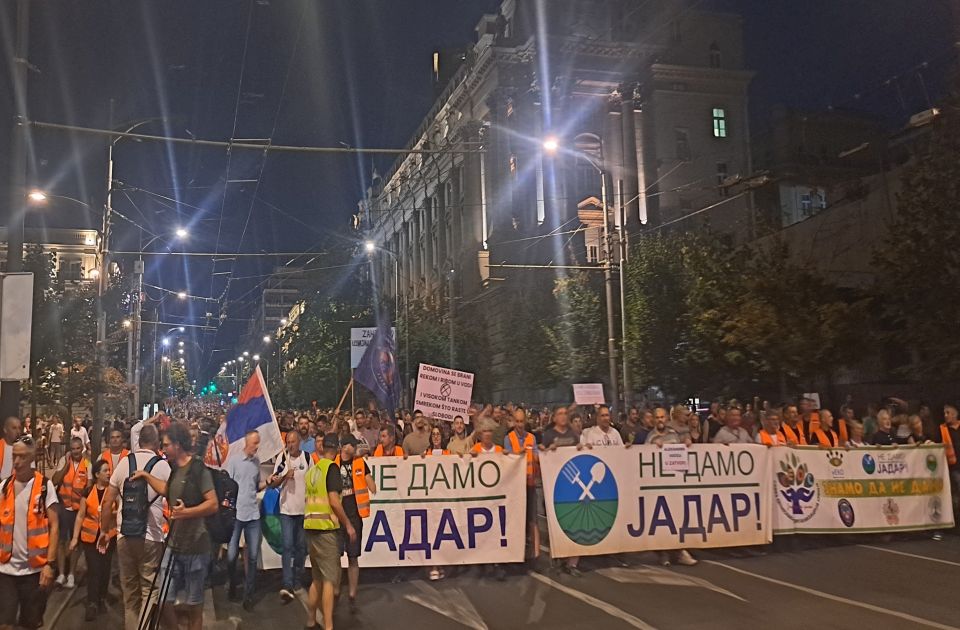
(352, 549)
(68, 518)
(22, 602)
(324, 550)
(188, 576)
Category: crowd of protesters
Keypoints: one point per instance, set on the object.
(56, 483)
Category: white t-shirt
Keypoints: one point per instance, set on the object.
(6, 469)
(161, 470)
(293, 490)
(594, 436)
(81, 433)
(56, 432)
(18, 563)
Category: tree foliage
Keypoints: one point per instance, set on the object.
(575, 347)
(919, 262)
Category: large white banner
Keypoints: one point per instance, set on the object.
(878, 489)
(615, 499)
(446, 509)
(360, 338)
(443, 393)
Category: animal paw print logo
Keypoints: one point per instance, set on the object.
(835, 458)
(798, 494)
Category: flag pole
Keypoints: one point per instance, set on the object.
(344, 397)
(353, 405)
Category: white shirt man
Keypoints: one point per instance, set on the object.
(603, 434)
(81, 432)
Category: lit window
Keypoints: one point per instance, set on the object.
(719, 122)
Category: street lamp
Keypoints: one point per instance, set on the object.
(181, 233)
(166, 341)
(37, 196)
(182, 295)
(127, 323)
(551, 145)
(180, 344)
(283, 321)
(256, 357)
(180, 351)
(370, 246)
(246, 354)
(266, 339)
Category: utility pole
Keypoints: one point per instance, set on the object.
(450, 316)
(608, 284)
(102, 280)
(627, 391)
(137, 333)
(10, 390)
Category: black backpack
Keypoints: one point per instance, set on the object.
(134, 500)
(219, 525)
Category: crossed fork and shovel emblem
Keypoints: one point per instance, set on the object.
(572, 474)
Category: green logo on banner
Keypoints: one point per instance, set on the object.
(585, 500)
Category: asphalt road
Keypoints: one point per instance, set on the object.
(865, 582)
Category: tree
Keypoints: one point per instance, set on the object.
(576, 347)
(919, 261)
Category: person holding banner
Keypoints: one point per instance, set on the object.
(792, 427)
(289, 474)
(856, 434)
(770, 433)
(732, 432)
(486, 445)
(823, 435)
(459, 442)
(603, 434)
(950, 438)
(436, 443)
(520, 441)
(561, 435)
(388, 443)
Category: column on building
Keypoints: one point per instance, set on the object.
(631, 164)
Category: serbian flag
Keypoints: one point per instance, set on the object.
(254, 412)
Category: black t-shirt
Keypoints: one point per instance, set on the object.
(881, 438)
(346, 478)
(567, 438)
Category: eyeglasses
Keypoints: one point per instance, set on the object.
(25, 439)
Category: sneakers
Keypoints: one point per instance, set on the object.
(685, 558)
(938, 536)
(248, 604)
(286, 596)
(434, 575)
(572, 571)
(664, 558)
(353, 605)
(61, 579)
(70, 583)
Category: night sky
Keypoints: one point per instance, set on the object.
(355, 72)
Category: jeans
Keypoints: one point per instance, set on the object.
(294, 549)
(251, 541)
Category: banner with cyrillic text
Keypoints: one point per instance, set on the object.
(614, 499)
(880, 489)
(446, 509)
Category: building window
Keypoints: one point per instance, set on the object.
(593, 254)
(714, 55)
(682, 139)
(719, 122)
(721, 177)
(513, 165)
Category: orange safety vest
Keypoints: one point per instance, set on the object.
(814, 423)
(843, 432)
(360, 491)
(478, 448)
(397, 451)
(38, 527)
(3, 451)
(767, 440)
(74, 484)
(826, 437)
(90, 527)
(948, 445)
(105, 456)
(528, 447)
(796, 437)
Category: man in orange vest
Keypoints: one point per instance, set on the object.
(73, 480)
(770, 433)
(358, 485)
(486, 445)
(823, 434)
(388, 443)
(112, 456)
(29, 529)
(792, 428)
(521, 442)
(949, 436)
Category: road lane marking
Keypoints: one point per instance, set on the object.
(835, 598)
(451, 603)
(911, 555)
(606, 607)
(662, 577)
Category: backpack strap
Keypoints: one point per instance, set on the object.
(132, 465)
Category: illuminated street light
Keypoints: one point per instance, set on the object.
(370, 246)
(181, 344)
(127, 323)
(283, 322)
(180, 350)
(166, 341)
(266, 339)
(182, 295)
(37, 196)
(181, 329)
(246, 354)
(182, 232)
(182, 361)
(240, 359)
(256, 357)
(551, 145)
